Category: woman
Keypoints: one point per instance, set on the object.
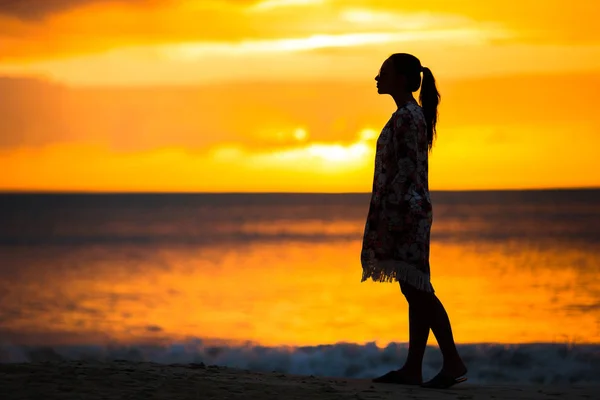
(397, 231)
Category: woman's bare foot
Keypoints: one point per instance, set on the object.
(449, 376)
(454, 369)
(402, 376)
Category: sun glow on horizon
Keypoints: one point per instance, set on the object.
(176, 168)
(323, 157)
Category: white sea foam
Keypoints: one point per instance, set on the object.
(488, 363)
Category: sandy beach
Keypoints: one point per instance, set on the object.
(130, 380)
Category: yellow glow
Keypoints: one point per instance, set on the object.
(300, 134)
(340, 153)
(334, 155)
(271, 4)
(368, 135)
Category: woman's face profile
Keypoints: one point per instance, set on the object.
(388, 81)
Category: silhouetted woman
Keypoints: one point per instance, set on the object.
(397, 231)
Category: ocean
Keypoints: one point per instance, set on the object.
(271, 282)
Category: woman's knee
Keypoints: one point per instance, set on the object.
(414, 295)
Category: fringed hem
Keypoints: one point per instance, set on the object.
(395, 271)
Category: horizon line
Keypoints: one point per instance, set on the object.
(116, 192)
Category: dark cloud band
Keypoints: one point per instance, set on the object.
(38, 9)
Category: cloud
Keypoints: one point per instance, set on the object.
(170, 20)
(153, 328)
(72, 28)
(549, 22)
(37, 9)
(319, 57)
(161, 49)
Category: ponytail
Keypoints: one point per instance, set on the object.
(429, 99)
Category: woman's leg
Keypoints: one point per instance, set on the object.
(418, 327)
(442, 330)
(426, 310)
(419, 305)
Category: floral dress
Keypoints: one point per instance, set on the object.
(397, 231)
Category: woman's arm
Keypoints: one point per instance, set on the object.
(403, 156)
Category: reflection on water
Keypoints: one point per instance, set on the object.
(93, 269)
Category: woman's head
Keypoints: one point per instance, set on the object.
(400, 75)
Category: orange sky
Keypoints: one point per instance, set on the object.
(278, 95)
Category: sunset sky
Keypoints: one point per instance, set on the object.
(278, 95)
